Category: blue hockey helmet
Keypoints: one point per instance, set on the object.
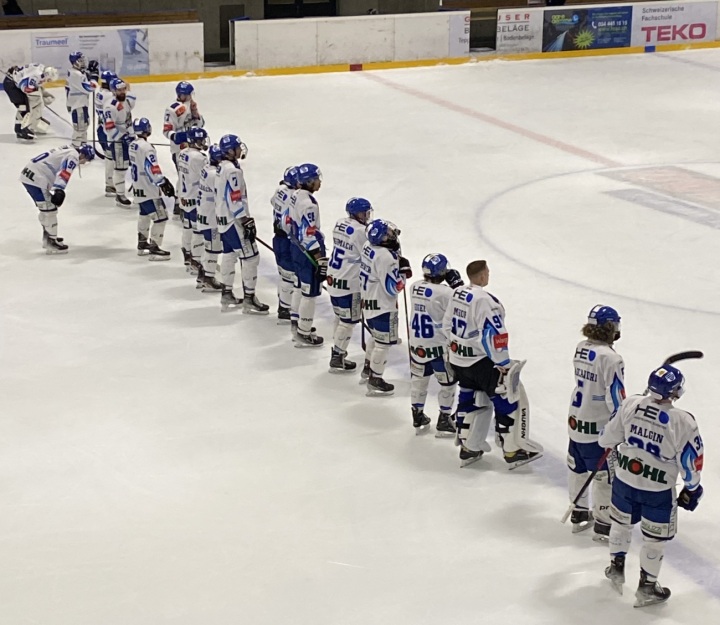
(360, 209)
(107, 76)
(142, 126)
(600, 315)
(307, 172)
(666, 382)
(117, 84)
(184, 88)
(215, 154)
(377, 231)
(197, 137)
(230, 143)
(435, 265)
(77, 59)
(290, 177)
(86, 151)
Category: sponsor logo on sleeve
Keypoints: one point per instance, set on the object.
(500, 341)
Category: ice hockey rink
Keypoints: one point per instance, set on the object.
(163, 463)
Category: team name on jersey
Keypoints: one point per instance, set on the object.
(584, 427)
(341, 285)
(637, 467)
(428, 352)
(462, 350)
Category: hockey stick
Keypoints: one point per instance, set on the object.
(407, 325)
(261, 242)
(672, 359)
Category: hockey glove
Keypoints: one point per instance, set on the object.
(453, 278)
(248, 224)
(57, 198)
(180, 137)
(167, 188)
(322, 267)
(689, 499)
(93, 70)
(405, 269)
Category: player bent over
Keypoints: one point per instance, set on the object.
(148, 182)
(657, 443)
(237, 229)
(475, 326)
(280, 202)
(45, 178)
(207, 223)
(429, 300)
(383, 274)
(309, 256)
(599, 389)
(344, 278)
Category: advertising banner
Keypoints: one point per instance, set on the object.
(459, 28)
(124, 51)
(674, 22)
(519, 30)
(587, 28)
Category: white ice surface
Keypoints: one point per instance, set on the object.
(161, 462)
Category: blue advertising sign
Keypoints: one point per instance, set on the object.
(587, 28)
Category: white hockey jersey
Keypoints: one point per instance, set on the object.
(305, 217)
(599, 389)
(179, 116)
(145, 171)
(206, 219)
(656, 443)
(78, 89)
(101, 98)
(344, 265)
(428, 302)
(29, 77)
(380, 280)
(118, 117)
(190, 162)
(280, 202)
(475, 327)
(52, 169)
(230, 195)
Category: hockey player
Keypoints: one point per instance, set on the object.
(77, 94)
(475, 326)
(118, 127)
(657, 443)
(180, 116)
(599, 389)
(207, 222)
(237, 229)
(104, 96)
(24, 86)
(280, 202)
(148, 182)
(429, 300)
(190, 162)
(344, 278)
(308, 252)
(45, 178)
(383, 274)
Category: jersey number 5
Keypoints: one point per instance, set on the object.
(337, 258)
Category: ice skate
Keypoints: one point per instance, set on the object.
(143, 246)
(228, 301)
(294, 331)
(338, 364)
(520, 458)
(365, 373)
(283, 315)
(122, 201)
(581, 520)
(54, 245)
(616, 573)
(445, 426)
(177, 213)
(303, 340)
(253, 306)
(155, 253)
(377, 387)
(421, 422)
(650, 592)
(601, 532)
(110, 191)
(25, 134)
(210, 284)
(468, 456)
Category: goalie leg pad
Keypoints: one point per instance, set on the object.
(473, 419)
(512, 423)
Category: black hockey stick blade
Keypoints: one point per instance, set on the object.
(689, 355)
